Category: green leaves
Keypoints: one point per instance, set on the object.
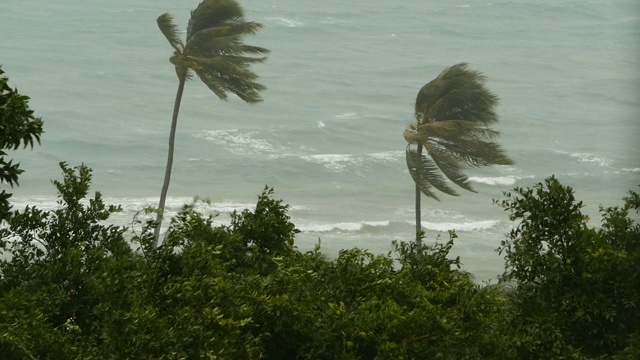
(18, 126)
(566, 274)
(71, 287)
(170, 31)
(64, 275)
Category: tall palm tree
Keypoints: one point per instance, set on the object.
(453, 113)
(214, 51)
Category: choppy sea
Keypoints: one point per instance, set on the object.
(342, 78)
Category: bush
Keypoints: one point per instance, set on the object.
(18, 127)
(65, 277)
(578, 288)
(72, 287)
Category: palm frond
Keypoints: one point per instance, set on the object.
(457, 93)
(450, 164)
(212, 14)
(464, 104)
(242, 86)
(426, 174)
(239, 26)
(450, 129)
(203, 44)
(217, 41)
(223, 65)
(213, 82)
(170, 30)
(249, 49)
(477, 152)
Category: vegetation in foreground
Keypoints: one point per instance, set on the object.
(18, 127)
(72, 287)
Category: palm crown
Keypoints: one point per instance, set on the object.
(214, 49)
(452, 114)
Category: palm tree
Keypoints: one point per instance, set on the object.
(214, 51)
(452, 115)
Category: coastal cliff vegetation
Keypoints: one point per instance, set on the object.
(72, 286)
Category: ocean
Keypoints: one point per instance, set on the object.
(342, 79)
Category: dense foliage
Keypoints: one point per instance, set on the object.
(18, 126)
(72, 286)
(578, 288)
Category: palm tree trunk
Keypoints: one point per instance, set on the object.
(167, 173)
(418, 207)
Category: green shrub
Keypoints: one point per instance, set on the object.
(18, 126)
(578, 288)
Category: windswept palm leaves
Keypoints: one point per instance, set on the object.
(215, 52)
(453, 113)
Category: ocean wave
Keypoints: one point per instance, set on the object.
(286, 22)
(630, 170)
(388, 156)
(335, 162)
(249, 143)
(341, 162)
(498, 180)
(131, 205)
(242, 142)
(461, 226)
(349, 115)
(343, 226)
(591, 159)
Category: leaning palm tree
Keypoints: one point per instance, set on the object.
(451, 133)
(214, 51)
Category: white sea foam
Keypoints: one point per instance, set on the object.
(343, 226)
(464, 226)
(237, 141)
(630, 170)
(129, 204)
(591, 159)
(286, 22)
(388, 156)
(335, 162)
(341, 162)
(498, 180)
(349, 115)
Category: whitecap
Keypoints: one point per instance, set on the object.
(591, 159)
(237, 141)
(335, 162)
(286, 22)
(387, 156)
(630, 170)
(342, 226)
(321, 124)
(349, 115)
(464, 226)
(498, 180)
